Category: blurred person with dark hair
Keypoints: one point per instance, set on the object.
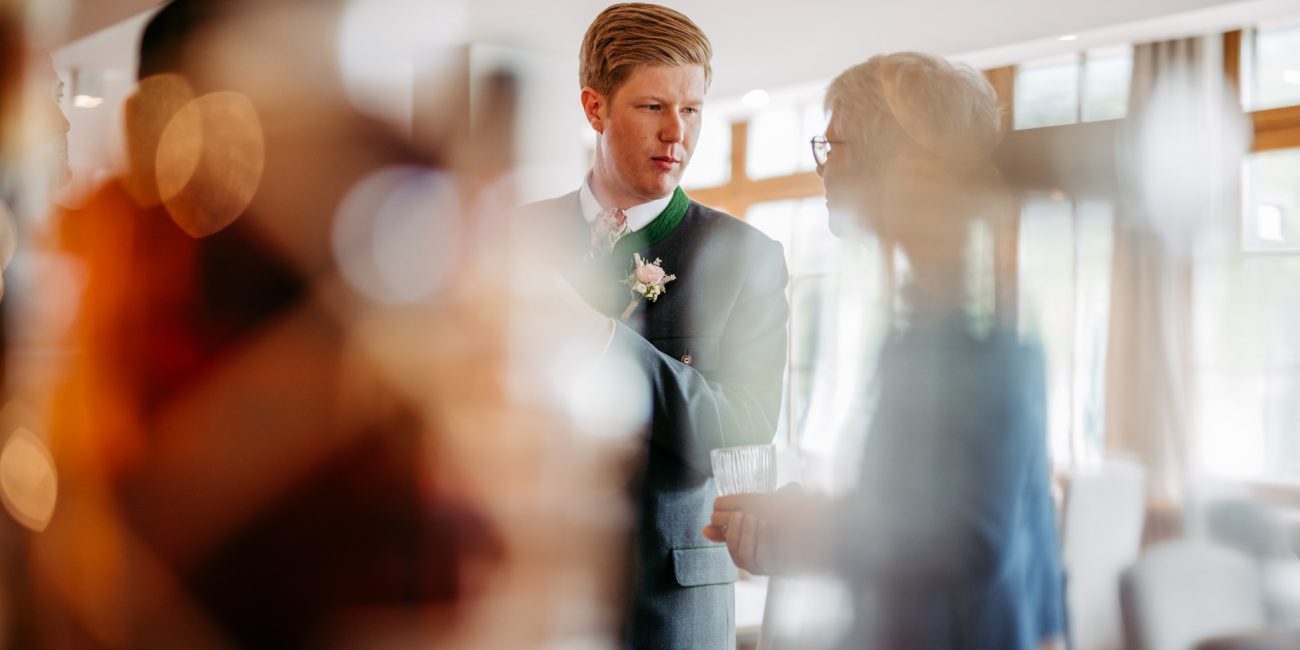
(50, 89)
(33, 128)
(34, 149)
(36, 134)
(948, 539)
(695, 296)
(33, 164)
(229, 474)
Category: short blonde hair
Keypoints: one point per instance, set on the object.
(628, 35)
(949, 110)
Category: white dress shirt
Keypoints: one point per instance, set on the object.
(638, 216)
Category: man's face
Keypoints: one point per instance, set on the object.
(648, 130)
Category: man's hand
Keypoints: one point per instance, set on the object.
(749, 524)
(748, 538)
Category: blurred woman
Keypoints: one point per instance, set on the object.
(948, 538)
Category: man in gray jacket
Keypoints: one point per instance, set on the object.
(693, 294)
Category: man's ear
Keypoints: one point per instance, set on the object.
(594, 107)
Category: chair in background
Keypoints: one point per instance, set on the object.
(1183, 592)
(1101, 534)
(1250, 527)
(1266, 640)
(1261, 532)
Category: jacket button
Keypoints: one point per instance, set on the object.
(687, 359)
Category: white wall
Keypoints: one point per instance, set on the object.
(108, 58)
(553, 138)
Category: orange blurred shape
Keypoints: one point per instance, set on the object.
(29, 485)
(210, 162)
(146, 113)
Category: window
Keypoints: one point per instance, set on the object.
(836, 324)
(1271, 215)
(1246, 353)
(1047, 92)
(1083, 86)
(778, 140)
(1271, 62)
(1248, 367)
(1064, 280)
(810, 258)
(710, 165)
(1106, 76)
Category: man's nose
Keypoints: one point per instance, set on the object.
(673, 128)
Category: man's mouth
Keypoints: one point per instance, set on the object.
(666, 162)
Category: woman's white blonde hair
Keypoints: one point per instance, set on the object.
(891, 100)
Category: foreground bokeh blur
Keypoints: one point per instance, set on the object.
(280, 371)
(287, 382)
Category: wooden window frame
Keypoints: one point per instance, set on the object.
(740, 191)
(1275, 128)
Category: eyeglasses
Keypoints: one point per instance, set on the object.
(821, 146)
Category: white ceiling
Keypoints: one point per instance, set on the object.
(775, 43)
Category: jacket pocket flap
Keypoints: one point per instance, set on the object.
(707, 565)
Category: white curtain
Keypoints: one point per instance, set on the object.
(1179, 157)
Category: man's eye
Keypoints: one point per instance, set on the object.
(689, 110)
(654, 107)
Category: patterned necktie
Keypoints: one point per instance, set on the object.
(606, 229)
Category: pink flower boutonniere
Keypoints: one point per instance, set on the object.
(648, 280)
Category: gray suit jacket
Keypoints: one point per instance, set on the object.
(713, 348)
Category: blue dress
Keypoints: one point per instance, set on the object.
(949, 538)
